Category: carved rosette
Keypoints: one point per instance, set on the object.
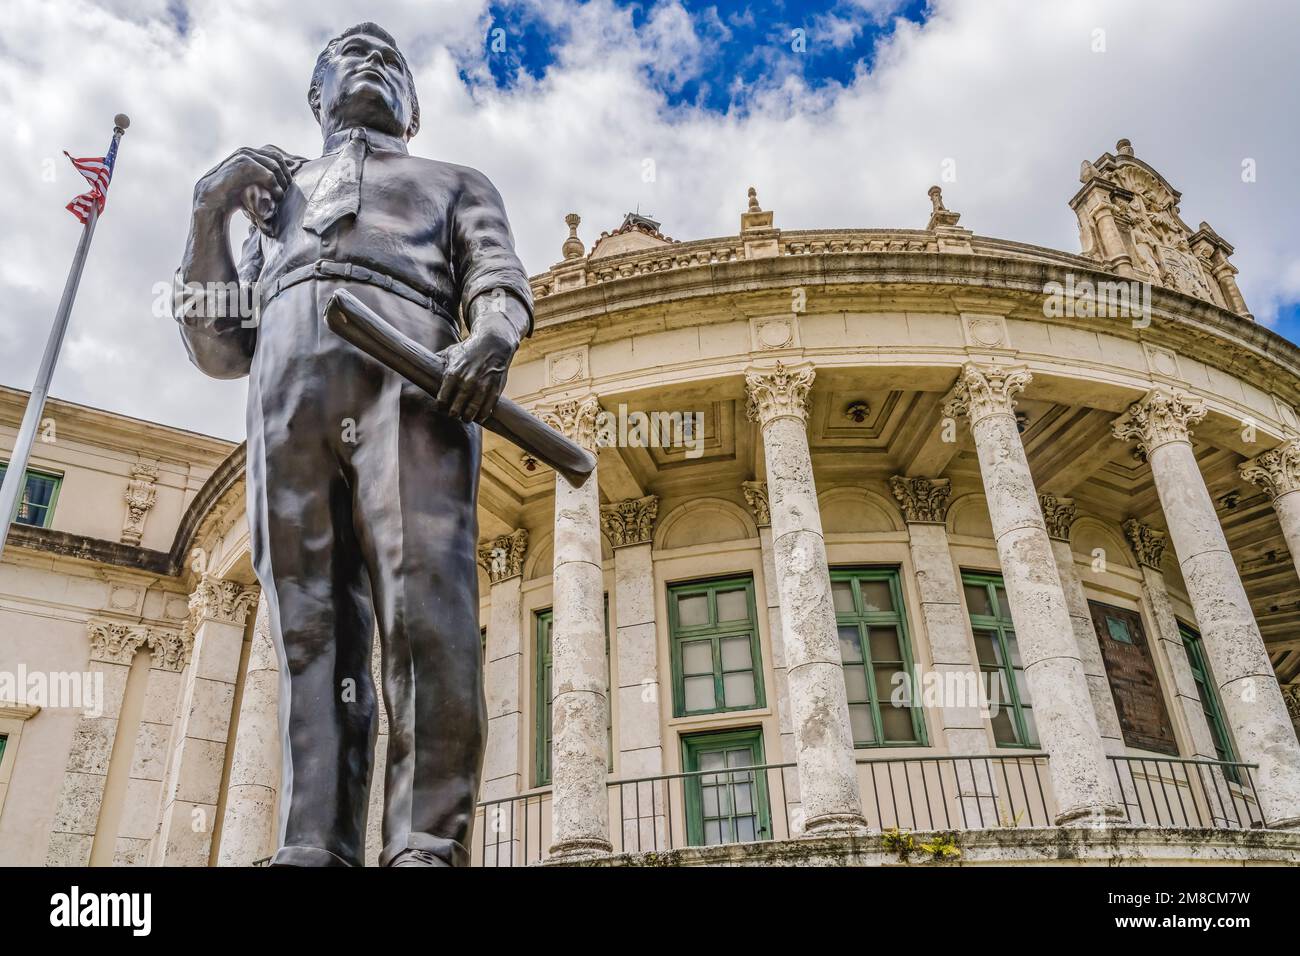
(1148, 544)
(781, 392)
(1276, 471)
(1058, 514)
(140, 496)
(1159, 418)
(503, 556)
(984, 390)
(756, 497)
(923, 500)
(629, 522)
(575, 419)
(226, 602)
(115, 642)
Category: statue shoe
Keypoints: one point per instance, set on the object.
(412, 857)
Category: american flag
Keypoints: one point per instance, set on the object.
(98, 171)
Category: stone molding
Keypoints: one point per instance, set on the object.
(631, 521)
(780, 392)
(141, 493)
(1058, 515)
(1160, 417)
(984, 390)
(214, 599)
(575, 419)
(1148, 544)
(922, 500)
(1276, 471)
(756, 497)
(116, 642)
(503, 556)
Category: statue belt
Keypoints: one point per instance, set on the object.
(328, 269)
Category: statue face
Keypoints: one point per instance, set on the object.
(365, 84)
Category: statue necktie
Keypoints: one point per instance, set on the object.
(338, 193)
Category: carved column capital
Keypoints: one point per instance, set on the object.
(923, 500)
(984, 390)
(1058, 515)
(1276, 471)
(141, 493)
(1148, 544)
(114, 642)
(171, 649)
(1162, 416)
(756, 497)
(780, 392)
(1291, 695)
(502, 557)
(631, 521)
(226, 602)
(575, 419)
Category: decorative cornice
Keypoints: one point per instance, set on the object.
(13, 710)
(226, 602)
(1148, 544)
(781, 392)
(1161, 417)
(503, 556)
(629, 522)
(116, 642)
(923, 500)
(1276, 471)
(756, 497)
(575, 419)
(984, 390)
(1058, 514)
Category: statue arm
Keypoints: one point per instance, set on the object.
(218, 337)
(493, 285)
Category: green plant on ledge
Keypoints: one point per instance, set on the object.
(943, 847)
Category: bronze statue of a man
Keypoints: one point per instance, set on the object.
(361, 487)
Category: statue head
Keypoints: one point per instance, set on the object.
(362, 79)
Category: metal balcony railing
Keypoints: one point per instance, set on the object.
(1180, 792)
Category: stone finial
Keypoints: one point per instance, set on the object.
(226, 602)
(1058, 515)
(141, 492)
(923, 500)
(1124, 148)
(1160, 417)
(756, 227)
(573, 248)
(779, 392)
(756, 497)
(753, 200)
(1148, 544)
(1276, 471)
(940, 215)
(575, 419)
(629, 522)
(503, 556)
(984, 390)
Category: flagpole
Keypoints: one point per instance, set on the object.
(15, 479)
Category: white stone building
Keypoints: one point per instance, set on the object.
(903, 545)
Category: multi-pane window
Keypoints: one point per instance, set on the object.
(729, 805)
(1209, 697)
(877, 657)
(715, 655)
(544, 625)
(999, 660)
(36, 504)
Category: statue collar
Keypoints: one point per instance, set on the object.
(375, 139)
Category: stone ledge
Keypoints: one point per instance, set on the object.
(1037, 846)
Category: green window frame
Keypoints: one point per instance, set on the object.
(40, 495)
(1210, 703)
(874, 646)
(543, 626)
(730, 806)
(999, 658)
(717, 664)
(4, 738)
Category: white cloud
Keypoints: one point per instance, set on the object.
(1010, 91)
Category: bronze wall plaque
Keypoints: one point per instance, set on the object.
(1139, 700)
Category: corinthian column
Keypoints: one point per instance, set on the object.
(1160, 423)
(192, 785)
(580, 703)
(1084, 787)
(1278, 473)
(819, 709)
